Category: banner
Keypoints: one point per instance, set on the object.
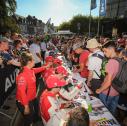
(93, 4)
(102, 8)
(7, 81)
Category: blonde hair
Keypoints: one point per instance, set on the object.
(25, 58)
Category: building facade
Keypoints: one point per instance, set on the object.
(116, 8)
(32, 25)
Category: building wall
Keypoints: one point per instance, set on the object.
(112, 7)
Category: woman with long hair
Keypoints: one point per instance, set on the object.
(26, 88)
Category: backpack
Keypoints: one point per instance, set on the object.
(104, 62)
(120, 81)
(103, 65)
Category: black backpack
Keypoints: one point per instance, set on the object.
(120, 81)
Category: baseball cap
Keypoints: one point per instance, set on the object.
(3, 39)
(92, 43)
(49, 59)
(76, 46)
(53, 81)
(61, 69)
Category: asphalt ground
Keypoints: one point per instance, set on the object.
(9, 114)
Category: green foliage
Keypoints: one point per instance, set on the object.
(83, 20)
(84, 24)
(7, 8)
(9, 24)
(64, 26)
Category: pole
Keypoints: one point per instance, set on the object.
(117, 13)
(98, 29)
(90, 20)
(102, 30)
(110, 9)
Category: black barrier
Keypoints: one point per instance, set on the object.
(7, 81)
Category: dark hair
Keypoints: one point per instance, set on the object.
(38, 39)
(109, 44)
(24, 59)
(16, 42)
(79, 117)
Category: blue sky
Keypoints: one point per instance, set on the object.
(58, 10)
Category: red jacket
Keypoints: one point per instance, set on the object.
(52, 111)
(26, 85)
(48, 72)
(45, 104)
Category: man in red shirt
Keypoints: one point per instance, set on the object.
(82, 60)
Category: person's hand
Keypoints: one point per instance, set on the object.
(48, 66)
(75, 70)
(26, 110)
(65, 124)
(98, 91)
(88, 84)
(80, 85)
(93, 123)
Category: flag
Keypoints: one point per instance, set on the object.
(102, 8)
(93, 4)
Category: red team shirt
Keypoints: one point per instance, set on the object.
(45, 104)
(83, 59)
(26, 85)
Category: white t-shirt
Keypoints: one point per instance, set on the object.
(43, 46)
(94, 63)
(35, 48)
(25, 45)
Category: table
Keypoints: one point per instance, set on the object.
(99, 112)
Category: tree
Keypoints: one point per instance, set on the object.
(72, 25)
(7, 9)
(64, 26)
(10, 25)
(83, 20)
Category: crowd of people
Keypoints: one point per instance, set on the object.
(95, 59)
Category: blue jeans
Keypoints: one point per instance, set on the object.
(111, 102)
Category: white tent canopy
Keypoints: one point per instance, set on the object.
(64, 32)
